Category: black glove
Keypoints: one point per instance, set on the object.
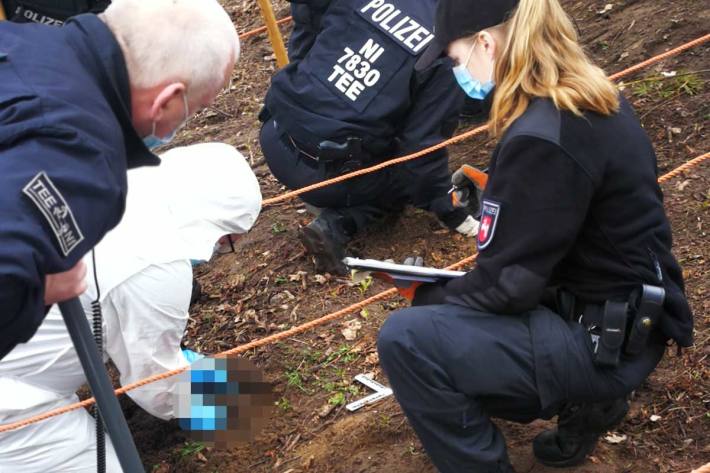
(429, 294)
(423, 293)
(468, 183)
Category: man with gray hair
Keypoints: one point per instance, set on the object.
(80, 105)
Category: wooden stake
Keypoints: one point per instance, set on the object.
(277, 42)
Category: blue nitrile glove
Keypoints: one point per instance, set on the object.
(191, 356)
(206, 409)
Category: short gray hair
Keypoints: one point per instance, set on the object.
(190, 41)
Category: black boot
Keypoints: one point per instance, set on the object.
(578, 429)
(325, 238)
(196, 292)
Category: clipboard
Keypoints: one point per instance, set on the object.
(400, 272)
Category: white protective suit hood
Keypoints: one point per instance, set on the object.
(178, 211)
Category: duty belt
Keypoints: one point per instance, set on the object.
(333, 157)
(332, 151)
(614, 326)
(348, 154)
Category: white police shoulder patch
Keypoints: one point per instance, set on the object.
(43, 193)
(406, 31)
(489, 221)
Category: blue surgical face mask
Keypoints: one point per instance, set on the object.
(472, 86)
(152, 141)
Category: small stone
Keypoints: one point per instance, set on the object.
(320, 279)
(326, 410)
(309, 462)
(607, 8)
(615, 438)
(372, 359)
(682, 185)
(351, 329)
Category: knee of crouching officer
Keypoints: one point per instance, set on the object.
(402, 331)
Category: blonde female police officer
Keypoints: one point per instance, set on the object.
(572, 204)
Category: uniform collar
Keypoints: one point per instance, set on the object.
(101, 51)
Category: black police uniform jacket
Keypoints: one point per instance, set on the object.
(358, 80)
(307, 16)
(66, 140)
(571, 202)
(50, 12)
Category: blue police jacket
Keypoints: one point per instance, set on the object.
(307, 15)
(66, 140)
(358, 79)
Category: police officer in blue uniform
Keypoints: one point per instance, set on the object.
(69, 121)
(353, 100)
(307, 15)
(575, 291)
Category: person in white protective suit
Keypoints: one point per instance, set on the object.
(174, 213)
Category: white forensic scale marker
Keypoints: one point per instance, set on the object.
(380, 393)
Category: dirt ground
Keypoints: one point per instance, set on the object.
(269, 285)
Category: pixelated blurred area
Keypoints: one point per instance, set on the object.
(223, 401)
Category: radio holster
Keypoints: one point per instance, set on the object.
(616, 327)
(610, 339)
(647, 306)
(339, 158)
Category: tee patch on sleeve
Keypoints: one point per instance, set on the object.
(43, 193)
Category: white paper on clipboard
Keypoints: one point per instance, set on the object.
(402, 271)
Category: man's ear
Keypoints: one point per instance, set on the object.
(164, 97)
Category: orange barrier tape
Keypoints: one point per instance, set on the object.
(383, 295)
(234, 351)
(463, 136)
(286, 333)
(360, 172)
(684, 167)
(263, 29)
(661, 57)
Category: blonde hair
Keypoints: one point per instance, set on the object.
(542, 57)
